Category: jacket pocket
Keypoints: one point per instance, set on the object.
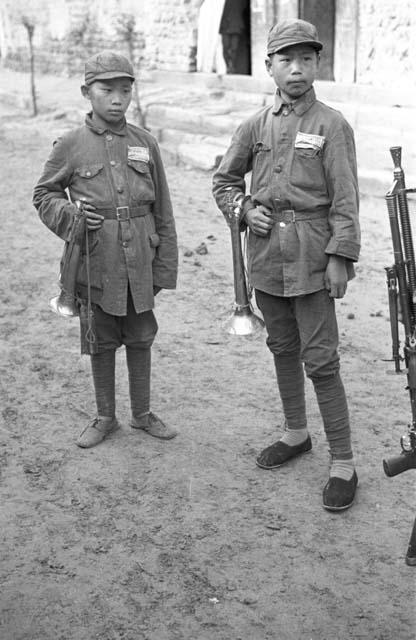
(261, 153)
(307, 170)
(140, 181)
(314, 236)
(154, 240)
(151, 238)
(309, 152)
(95, 262)
(90, 180)
(89, 171)
(262, 159)
(93, 240)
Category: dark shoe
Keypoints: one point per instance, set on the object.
(339, 494)
(279, 453)
(153, 425)
(96, 431)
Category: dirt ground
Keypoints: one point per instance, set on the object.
(188, 540)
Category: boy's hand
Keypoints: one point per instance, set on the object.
(336, 277)
(94, 220)
(259, 220)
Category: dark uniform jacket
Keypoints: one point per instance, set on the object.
(114, 170)
(303, 164)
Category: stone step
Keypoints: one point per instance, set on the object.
(209, 121)
(205, 153)
(202, 152)
(374, 96)
(196, 130)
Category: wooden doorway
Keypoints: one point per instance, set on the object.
(322, 14)
(235, 30)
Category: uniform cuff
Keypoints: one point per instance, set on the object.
(344, 248)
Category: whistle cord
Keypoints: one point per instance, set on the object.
(89, 334)
(245, 259)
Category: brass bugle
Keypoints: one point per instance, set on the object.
(243, 320)
(64, 304)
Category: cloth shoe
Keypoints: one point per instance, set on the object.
(153, 425)
(339, 494)
(280, 452)
(96, 431)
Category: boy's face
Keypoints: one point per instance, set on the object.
(109, 98)
(293, 69)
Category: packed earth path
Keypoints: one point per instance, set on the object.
(140, 539)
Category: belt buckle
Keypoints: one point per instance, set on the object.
(289, 212)
(120, 216)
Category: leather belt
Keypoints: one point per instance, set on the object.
(125, 213)
(290, 215)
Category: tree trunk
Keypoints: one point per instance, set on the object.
(30, 30)
(141, 118)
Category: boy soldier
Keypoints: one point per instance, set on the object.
(304, 236)
(114, 168)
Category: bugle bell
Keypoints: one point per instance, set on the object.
(64, 305)
(243, 320)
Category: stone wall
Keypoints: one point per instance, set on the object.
(171, 33)
(163, 36)
(163, 33)
(386, 53)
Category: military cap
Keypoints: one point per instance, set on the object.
(291, 32)
(107, 65)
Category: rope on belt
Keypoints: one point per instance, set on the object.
(90, 336)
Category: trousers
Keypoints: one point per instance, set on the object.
(303, 324)
(136, 330)
(301, 331)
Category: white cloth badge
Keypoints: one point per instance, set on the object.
(309, 141)
(138, 153)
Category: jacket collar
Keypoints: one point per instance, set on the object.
(299, 106)
(100, 127)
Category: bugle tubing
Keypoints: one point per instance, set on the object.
(243, 321)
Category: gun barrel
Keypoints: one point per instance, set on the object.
(398, 464)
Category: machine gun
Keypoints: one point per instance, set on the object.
(401, 285)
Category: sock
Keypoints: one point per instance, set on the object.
(293, 437)
(291, 383)
(333, 406)
(342, 469)
(103, 372)
(139, 366)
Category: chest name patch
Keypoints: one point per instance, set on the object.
(309, 141)
(138, 153)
